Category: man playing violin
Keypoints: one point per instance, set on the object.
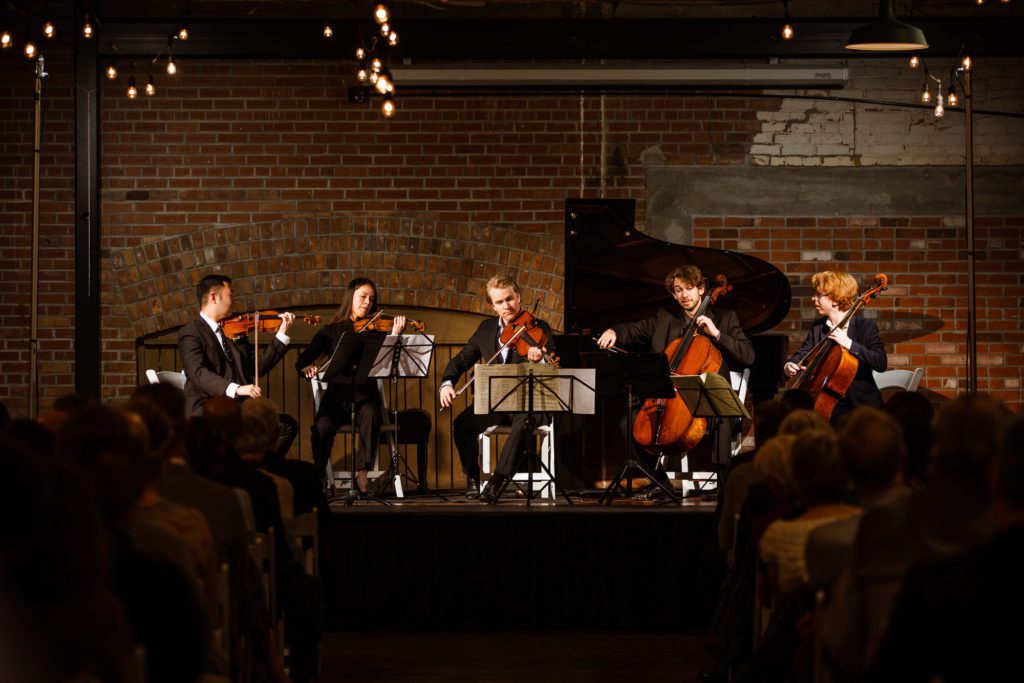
(505, 297)
(834, 293)
(359, 303)
(218, 366)
(687, 286)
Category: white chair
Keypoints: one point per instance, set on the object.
(542, 483)
(907, 380)
(335, 480)
(166, 377)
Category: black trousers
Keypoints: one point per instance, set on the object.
(328, 422)
(467, 428)
(288, 429)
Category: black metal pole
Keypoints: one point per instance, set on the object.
(972, 311)
(33, 334)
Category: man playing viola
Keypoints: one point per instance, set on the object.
(687, 286)
(217, 366)
(505, 297)
(834, 294)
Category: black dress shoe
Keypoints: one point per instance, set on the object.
(472, 489)
(495, 485)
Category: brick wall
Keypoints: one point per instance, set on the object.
(276, 143)
(56, 228)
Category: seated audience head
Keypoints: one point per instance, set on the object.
(35, 437)
(797, 399)
(965, 431)
(78, 400)
(51, 419)
(259, 428)
(914, 412)
(205, 447)
(816, 469)
(801, 420)
(774, 462)
(872, 450)
(107, 444)
(169, 399)
(161, 439)
(5, 415)
(1008, 476)
(226, 414)
(768, 415)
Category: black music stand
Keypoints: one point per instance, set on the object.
(400, 355)
(348, 367)
(533, 386)
(642, 376)
(711, 397)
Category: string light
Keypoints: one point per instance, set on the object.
(111, 71)
(940, 110)
(6, 40)
(381, 13)
(915, 62)
(49, 30)
(150, 86)
(183, 33)
(387, 107)
(926, 94)
(87, 28)
(951, 96)
(360, 53)
(967, 63)
(376, 65)
(30, 49)
(133, 92)
(172, 68)
(361, 74)
(385, 29)
(787, 32)
(393, 38)
(382, 82)
(328, 31)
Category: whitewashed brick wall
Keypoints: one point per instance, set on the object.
(828, 133)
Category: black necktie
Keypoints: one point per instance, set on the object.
(236, 376)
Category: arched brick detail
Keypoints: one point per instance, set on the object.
(305, 261)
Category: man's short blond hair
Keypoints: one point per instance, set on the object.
(840, 287)
(501, 281)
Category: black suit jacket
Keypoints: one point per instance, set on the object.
(484, 344)
(867, 348)
(206, 368)
(666, 326)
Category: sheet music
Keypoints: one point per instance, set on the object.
(500, 388)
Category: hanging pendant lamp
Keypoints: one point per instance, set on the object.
(886, 34)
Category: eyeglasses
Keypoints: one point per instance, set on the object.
(819, 296)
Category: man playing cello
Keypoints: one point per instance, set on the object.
(687, 286)
(505, 297)
(834, 293)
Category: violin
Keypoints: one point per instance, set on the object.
(829, 369)
(526, 332)
(666, 425)
(241, 325)
(385, 323)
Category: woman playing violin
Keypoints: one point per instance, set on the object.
(505, 297)
(834, 293)
(687, 287)
(359, 302)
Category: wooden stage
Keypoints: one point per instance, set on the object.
(446, 563)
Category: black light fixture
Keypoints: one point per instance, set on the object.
(886, 33)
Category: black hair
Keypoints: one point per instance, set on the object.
(209, 284)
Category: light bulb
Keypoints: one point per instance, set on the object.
(382, 84)
(150, 87)
(183, 33)
(951, 98)
(133, 92)
(361, 75)
(387, 107)
(915, 62)
(788, 32)
(172, 68)
(87, 30)
(926, 95)
(385, 29)
(376, 65)
(111, 71)
(328, 31)
(967, 63)
(381, 14)
(6, 40)
(939, 109)
(30, 49)
(360, 53)
(979, 2)
(49, 30)
(393, 38)
(374, 76)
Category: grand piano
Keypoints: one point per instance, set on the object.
(615, 273)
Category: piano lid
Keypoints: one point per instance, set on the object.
(614, 273)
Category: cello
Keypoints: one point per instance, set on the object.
(828, 368)
(666, 425)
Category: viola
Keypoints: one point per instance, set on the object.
(829, 369)
(666, 425)
(242, 324)
(525, 332)
(385, 323)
